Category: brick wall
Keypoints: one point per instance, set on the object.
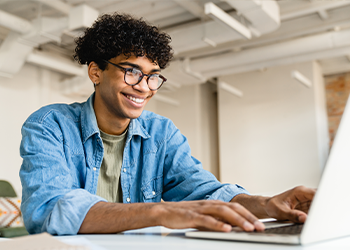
(337, 92)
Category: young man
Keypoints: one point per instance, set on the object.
(104, 165)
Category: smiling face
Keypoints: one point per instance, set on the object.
(115, 101)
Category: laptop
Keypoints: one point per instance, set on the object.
(328, 217)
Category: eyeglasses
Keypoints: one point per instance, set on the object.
(134, 76)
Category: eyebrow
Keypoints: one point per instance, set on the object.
(137, 66)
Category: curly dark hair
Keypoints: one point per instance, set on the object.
(114, 34)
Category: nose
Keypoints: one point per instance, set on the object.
(142, 86)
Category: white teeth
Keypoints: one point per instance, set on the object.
(137, 100)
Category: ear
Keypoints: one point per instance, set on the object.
(94, 72)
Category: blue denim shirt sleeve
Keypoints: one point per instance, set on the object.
(184, 177)
(51, 200)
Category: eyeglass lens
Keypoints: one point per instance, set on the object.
(133, 76)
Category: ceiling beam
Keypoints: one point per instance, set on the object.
(286, 61)
(222, 17)
(15, 23)
(57, 5)
(334, 66)
(311, 8)
(317, 46)
(289, 30)
(56, 63)
(165, 13)
(150, 12)
(193, 7)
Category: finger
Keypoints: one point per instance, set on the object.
(227, 214)
(303, 194)
(245, 213)
(201, 221)
(304, 206)
(293, 215)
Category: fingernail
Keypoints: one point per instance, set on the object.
(301, 218)
(247, 226)
(227, 227)
(259, 225)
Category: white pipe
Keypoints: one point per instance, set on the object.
(323, 14)
(317, 43)
(301, 78)
(189, 71)
(230, 89)
(15, 23)
(55, 63)
(210, 42)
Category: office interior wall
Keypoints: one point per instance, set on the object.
(20, 96)
(270, 138)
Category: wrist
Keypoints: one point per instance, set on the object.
(254, 203)
(157, 214)
(262, 203)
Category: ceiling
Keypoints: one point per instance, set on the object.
(305, 30)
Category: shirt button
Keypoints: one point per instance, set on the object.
(128, 199)
(94, 169)
(153, 192)
(98, 139)
(124, 170)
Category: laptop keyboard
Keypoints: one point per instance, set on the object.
(292, 229)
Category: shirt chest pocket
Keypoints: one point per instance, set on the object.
(152, 191)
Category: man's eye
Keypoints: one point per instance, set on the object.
(154, 77)
(133, 71)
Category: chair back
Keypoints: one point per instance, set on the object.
(6, 189)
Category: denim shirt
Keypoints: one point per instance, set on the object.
(62, 153)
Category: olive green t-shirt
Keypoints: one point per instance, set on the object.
(108, 185)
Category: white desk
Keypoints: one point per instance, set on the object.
(162, 238)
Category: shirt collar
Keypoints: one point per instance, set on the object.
(90, 127)
(136, 128)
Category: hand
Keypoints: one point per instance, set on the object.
(207, 215)
(291, 205)
(109, 217)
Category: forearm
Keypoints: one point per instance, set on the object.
(255, 204)
(106, 217)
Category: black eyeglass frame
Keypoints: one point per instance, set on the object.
(140, 78)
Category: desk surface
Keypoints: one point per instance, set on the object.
(162, 238)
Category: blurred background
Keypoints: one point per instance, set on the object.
(257, 87)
